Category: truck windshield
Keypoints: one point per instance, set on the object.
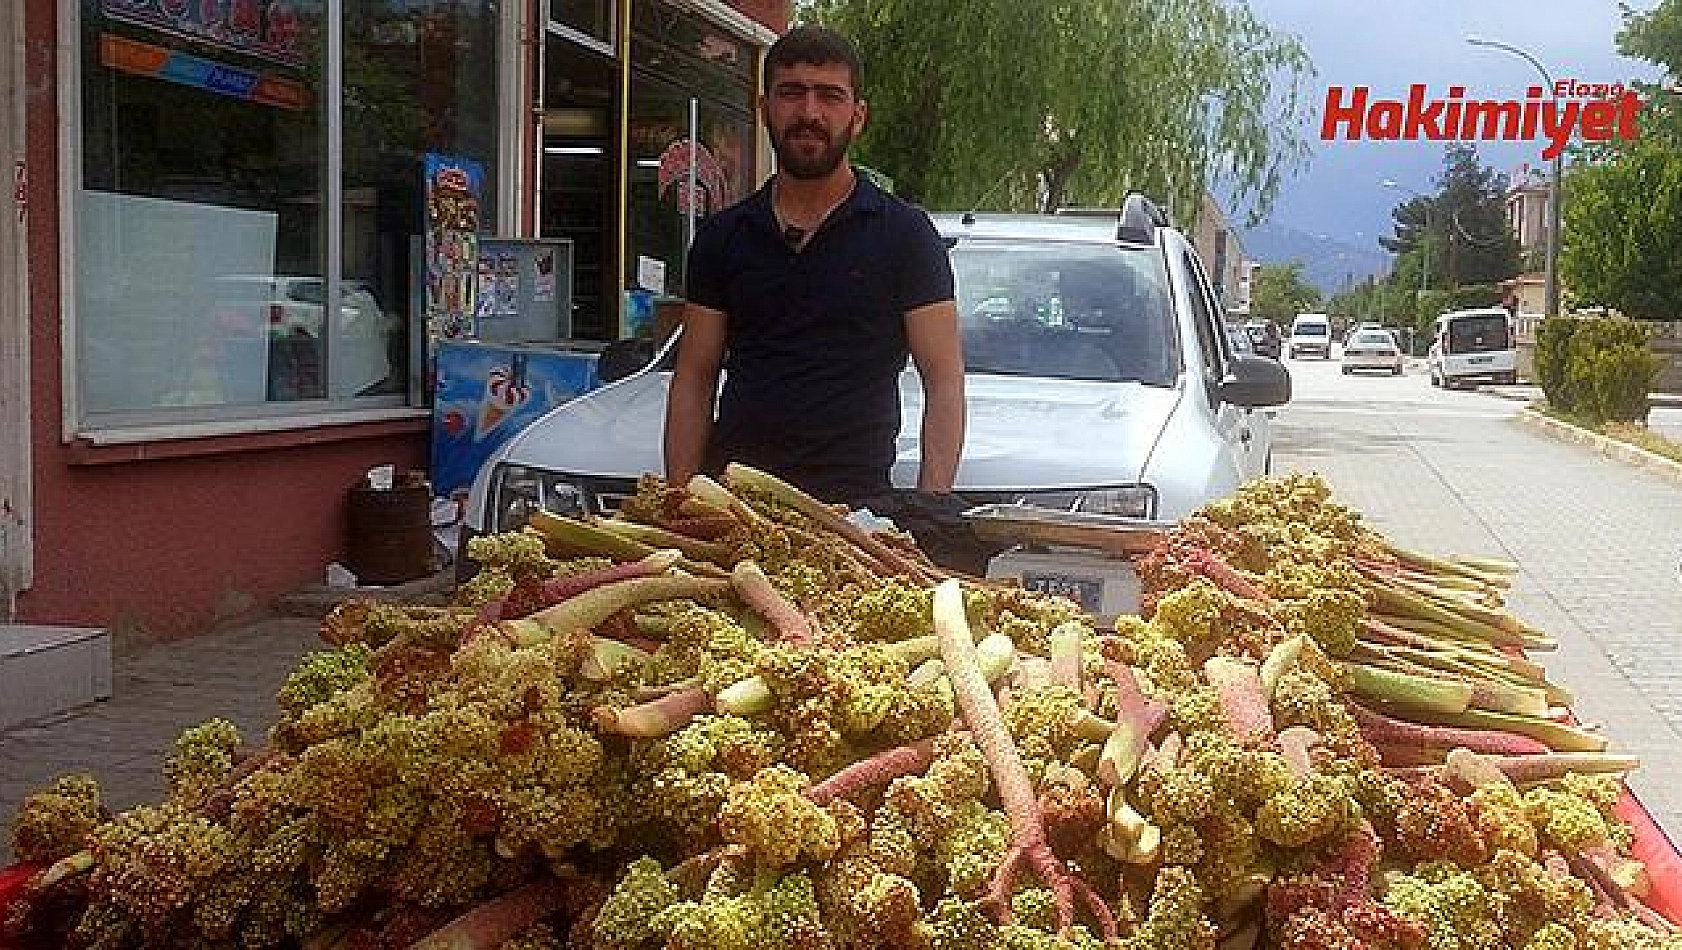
(1069, 311)
(1478, 334)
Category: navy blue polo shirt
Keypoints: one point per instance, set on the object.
(815, 339)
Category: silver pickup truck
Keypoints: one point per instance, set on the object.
(1100, 380)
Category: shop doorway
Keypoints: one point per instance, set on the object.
(16, 545)
(579, 178)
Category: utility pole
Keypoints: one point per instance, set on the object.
(1551, 271)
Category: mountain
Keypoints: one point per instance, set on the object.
(1328, 262)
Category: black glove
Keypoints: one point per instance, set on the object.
(936, 521)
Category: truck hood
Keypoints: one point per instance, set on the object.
(1035, 433)
(1024, 432)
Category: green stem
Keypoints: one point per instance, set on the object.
(606, 656)
(576, 535)
(783, 492)
(590, 609)
(709, 552)
(1493, 572)
(996, 652)
(1406, 603)
(1280, 659)
(1064, 651)
(1406, 689)
(1488, 691)
(1555, 735)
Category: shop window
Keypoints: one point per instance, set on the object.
(578, 198)
(418, 79)
(590, 20)
(200, 217)
(679, 58)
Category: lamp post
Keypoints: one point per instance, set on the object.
(1551, 276)
(1424, 237)
(1424, 255)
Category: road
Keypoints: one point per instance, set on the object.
(1599, 543)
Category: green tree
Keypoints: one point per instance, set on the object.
(1365, 302)
(1279, 293)
(1001, 104)
(1462, 227)
(1656, 36)
(1622, 234)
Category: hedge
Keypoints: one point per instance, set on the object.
(1598, 369)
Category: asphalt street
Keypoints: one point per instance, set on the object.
(1599, 543)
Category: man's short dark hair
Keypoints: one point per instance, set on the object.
(817, 46)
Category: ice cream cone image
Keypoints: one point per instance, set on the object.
(506, 391)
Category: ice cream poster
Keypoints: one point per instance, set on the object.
(453, 188)
(487, 393)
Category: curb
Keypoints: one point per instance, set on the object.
(1609, 447)
(1505, 392)
(316, 600)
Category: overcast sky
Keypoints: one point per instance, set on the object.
(1389, 44)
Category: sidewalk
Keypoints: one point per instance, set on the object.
(158, 690)
(1526, 392)
(161, 688)
(1664, 420)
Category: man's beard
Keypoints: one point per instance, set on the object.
(792, 163)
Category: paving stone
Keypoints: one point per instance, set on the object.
(159, 689)
(1598, 543)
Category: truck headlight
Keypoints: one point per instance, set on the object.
(517, 491)
(1131, 501)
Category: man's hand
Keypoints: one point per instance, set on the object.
(932, 332)
(689, 403)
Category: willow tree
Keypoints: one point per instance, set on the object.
(1006, 104)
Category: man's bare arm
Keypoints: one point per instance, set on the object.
(689, 403)
(932, 331)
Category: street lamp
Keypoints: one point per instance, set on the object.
(1424, 252)
(1551, 293)
(1424, 237)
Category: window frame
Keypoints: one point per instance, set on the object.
(1203, 324)
(608, 46)
(160, 424)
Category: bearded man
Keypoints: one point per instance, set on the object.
(810, 295)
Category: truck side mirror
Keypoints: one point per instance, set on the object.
(1257, 381)
(621, 358)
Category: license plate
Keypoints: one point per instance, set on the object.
(1481, 359)
(1086, 591)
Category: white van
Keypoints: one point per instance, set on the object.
(1471, 346)
(1311, 333)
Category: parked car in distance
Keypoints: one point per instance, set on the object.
(1265, 338)
(1374, 349)
(1099, 380)
(356, 348)
(1311, 333)
(1239, 341)
(1354, 328)
(1470, 346)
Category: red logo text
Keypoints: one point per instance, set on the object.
(1597, 111)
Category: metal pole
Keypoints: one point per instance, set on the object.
(333, 85)
(1551, 273)
(694, 156)
(1425, 255)
(1550, 307)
